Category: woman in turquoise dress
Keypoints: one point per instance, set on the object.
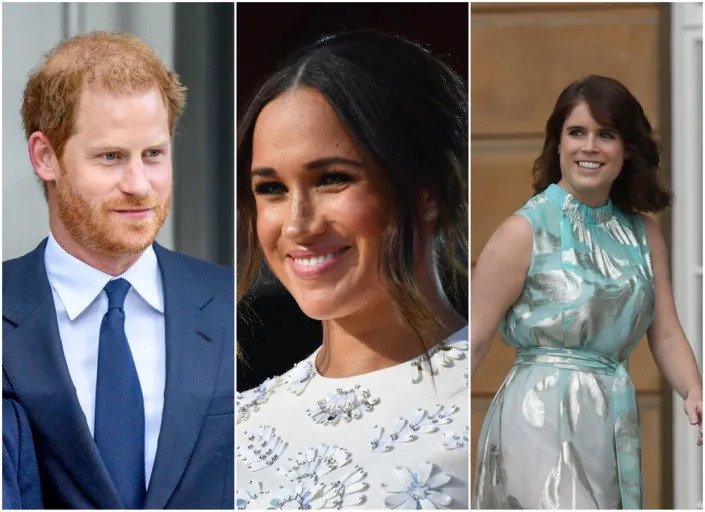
(574, 280)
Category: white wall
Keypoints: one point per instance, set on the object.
(687, 228)
(29, 30)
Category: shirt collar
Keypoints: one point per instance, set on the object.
(78, 284)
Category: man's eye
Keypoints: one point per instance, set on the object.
(154, 153)
(110, 156)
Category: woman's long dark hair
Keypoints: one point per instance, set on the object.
(408, 112)
(637, 188)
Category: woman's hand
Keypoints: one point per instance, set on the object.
(693, 407)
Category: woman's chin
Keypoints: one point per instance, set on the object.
(319, 311)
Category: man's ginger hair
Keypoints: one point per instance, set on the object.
(110, 61)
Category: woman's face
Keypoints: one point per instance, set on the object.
(320, 218)
(591, 156)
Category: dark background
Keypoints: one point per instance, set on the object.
(204, 143)
(277, 334)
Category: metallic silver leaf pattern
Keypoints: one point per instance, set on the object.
(592, 382)
(572, 460)
(572, 403)
(550, 497)
(545, 242)
(627, 430)
(532, 406)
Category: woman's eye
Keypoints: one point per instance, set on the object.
(269, 188)
(333, 179)
(608, 135)
(575, 132)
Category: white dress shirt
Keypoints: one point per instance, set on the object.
(80, 306)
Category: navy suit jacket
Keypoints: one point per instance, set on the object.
(194, 466)
(20, 477)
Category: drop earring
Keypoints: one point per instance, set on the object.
(431, 214)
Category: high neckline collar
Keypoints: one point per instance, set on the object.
(575, 210)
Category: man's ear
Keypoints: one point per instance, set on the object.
(43, 157)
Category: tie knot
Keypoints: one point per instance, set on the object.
(116, 291)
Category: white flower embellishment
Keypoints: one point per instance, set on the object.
(442, 355)
(252, 399)
(299, 376)
(406, 430)
(346, 404)
(312, 487)
(249, 494)
(417, 488)
(454, 440)
(321, 477)
(314, 496)
(314, 463)
(263, 448)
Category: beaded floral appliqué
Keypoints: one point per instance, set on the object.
(454, 440)
(252, 492)
(251, 400)
(346, 404)
(263, 448)
(442, 355)
(321, 477)
(406, 430)
(418, 487)
(299, 376)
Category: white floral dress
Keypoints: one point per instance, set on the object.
(393, 438)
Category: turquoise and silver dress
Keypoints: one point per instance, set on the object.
(563, 430)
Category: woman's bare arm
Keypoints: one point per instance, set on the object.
(667, 341)
(497, 281)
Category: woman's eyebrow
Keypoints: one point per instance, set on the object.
(264, 171)
(315, 164)
(323, 162)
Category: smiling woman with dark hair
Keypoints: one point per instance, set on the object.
(352, 169)
(574, 280)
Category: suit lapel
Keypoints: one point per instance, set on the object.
(33, 360)
(194, 343)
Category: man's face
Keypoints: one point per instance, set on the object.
(113, 191)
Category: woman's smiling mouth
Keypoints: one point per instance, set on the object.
(587, 164)
(310, 264)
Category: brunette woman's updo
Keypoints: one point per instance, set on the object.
(408, 113)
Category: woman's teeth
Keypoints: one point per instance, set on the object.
(307, 262)
(590, 165)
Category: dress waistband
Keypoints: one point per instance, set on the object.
(571, 359)
(624, 408)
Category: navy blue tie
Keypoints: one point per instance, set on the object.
(119, 408)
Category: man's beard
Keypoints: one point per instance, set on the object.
(97, 228)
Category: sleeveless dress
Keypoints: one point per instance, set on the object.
(563, 429)
(391, 438)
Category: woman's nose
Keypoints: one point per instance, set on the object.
(303, 219)
(589, 143)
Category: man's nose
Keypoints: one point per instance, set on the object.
(134, 179)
